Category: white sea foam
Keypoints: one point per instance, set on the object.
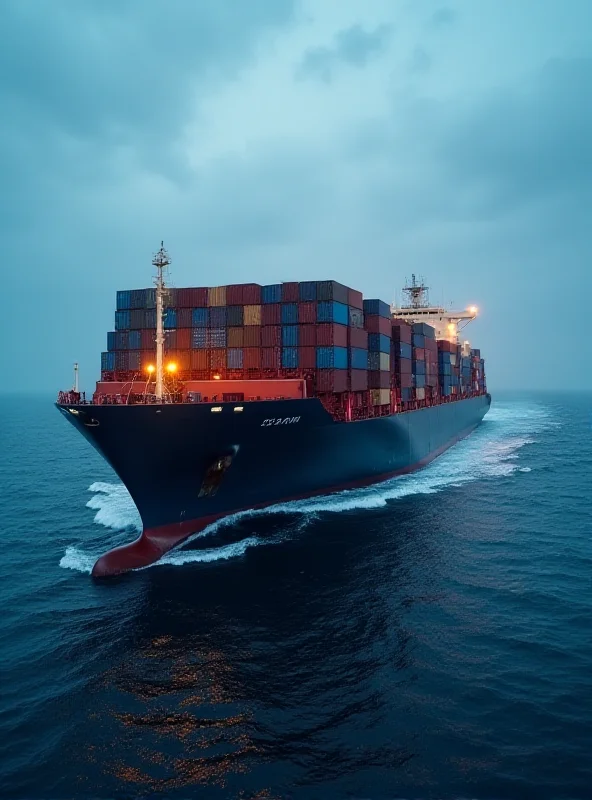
(491, 452)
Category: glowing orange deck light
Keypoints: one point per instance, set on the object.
(172, 367)
(216, 377)
(150, 368)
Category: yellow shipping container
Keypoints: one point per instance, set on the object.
(217, 296)
(252, 315)
(381, 397)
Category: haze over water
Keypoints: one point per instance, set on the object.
(425, 638)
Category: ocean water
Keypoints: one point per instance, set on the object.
(430, 637)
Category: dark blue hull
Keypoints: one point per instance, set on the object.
(185, 465)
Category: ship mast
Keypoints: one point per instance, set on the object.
(417, 294)
(161, 260)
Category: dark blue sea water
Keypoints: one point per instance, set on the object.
(427, 638)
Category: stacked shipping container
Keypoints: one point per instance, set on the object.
(322, 331)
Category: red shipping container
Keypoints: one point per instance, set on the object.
(271, 314)
(403, 366)
(418, 354)
(307, 357)
(170, 340)
(235, 337)
(238, 294)
(376, 324)
(406, 380)
(271, 357)
(183, 360)
(358, 380)
(307, 335)
(379, 379)
(218, 358)
(357, 338)
(184, 317)
(307, 312)
(331, 334)
(184, 339)
(332, 380)
(148, 340)
(355, 299)
(252, 335)
(252, 358)
(290, 292)
(401, 331)
(271, 335)
(192, 298)
(431, 345)
(444, 345)
(200, 359)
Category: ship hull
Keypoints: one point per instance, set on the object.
(186, 466)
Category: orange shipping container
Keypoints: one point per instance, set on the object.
(380, 397)
(236, 337)
(252, 315)
(217, 296)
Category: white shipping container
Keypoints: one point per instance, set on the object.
(420, 394)
(381, 397)
(453, 359)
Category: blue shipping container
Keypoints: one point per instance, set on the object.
(423, 329)
(290, 335)
(331, 357)
(289, 313)
(150, 319)
(271, 293)
(135, 341)
(111, 340)
(418, 340)
(406, 395)
(307, 290)
(379, 342)
(378, 308)
(289, 357)
(235, 316)
(356, 317)
(108, 362)
(217, 337)
(122, 340)
(331, 311)
(403, 350)
(445, 369)
(377, 362)
(124, 300)
(445, 390)
(218, 316)
(234, 358)
(418, 368)
(443, 358)
(170, 318)
(133, 360)
(150, 298)
(419, 381)
(199, 338)
(122, 320)
(200, 317)
(358, 358)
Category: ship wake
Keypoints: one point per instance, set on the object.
(493, 451)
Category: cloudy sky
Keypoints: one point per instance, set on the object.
(360, 140)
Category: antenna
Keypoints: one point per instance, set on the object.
(417, 293)
(161, 260)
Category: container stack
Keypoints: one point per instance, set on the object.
(402, 359)
(423, 342)
(377, 321)
(313, 329)
(478, 372)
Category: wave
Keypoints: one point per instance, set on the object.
(490, 452)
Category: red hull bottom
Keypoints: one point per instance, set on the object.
(155, 542)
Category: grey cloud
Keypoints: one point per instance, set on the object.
(354, 46)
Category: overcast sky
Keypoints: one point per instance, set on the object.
(278, 140)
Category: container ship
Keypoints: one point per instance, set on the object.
(217, 400)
